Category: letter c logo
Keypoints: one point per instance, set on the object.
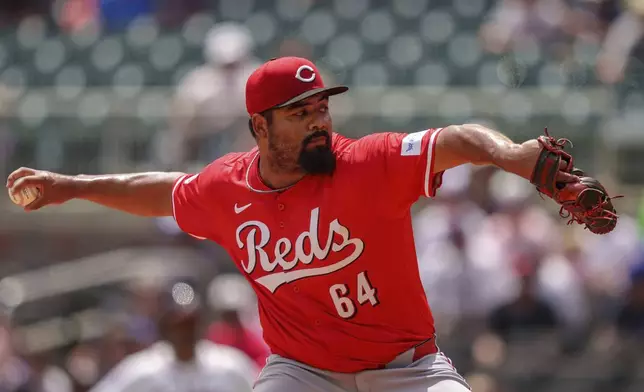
(298, 74)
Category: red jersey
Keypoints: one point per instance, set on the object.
(331, 259)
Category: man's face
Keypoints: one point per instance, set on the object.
(299, 137)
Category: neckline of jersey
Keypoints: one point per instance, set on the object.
(255, 168)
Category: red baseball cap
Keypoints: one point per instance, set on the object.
(283, 81)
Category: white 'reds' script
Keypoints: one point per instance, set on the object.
(283, 247)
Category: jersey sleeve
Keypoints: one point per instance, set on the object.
(403, 163)
(192, 202)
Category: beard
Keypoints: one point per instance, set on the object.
(298, 158)
(319, 159)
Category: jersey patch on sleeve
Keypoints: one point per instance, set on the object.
(411, 144)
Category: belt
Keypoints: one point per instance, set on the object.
(415, 353)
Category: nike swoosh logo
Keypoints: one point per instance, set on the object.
(239, 210)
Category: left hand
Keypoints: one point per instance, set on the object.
(582, 198)
(564, 176)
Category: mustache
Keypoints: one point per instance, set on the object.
(315, 134)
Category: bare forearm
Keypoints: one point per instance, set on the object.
(501, 151)
(145, 194)
(477, 144)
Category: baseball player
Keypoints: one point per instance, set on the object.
(320, 226)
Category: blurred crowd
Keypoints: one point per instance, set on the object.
(523, 302)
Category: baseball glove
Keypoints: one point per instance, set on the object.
(585, 202)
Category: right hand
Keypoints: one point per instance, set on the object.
(54, 188)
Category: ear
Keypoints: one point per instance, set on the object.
(260, 126)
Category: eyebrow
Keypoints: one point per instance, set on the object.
(300, 104)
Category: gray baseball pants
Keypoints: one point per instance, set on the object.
(431, 373)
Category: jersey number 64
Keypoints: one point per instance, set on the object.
(344, 304)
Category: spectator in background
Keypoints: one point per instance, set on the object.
(232, 298)
(527, 313)
(181, 361)
(209, 114)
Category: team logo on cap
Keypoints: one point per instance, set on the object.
(298, 74)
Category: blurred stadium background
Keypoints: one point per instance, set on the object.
(523, 302)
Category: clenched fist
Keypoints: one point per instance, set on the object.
(54, 188)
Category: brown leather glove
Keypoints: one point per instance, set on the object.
(585, 202)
